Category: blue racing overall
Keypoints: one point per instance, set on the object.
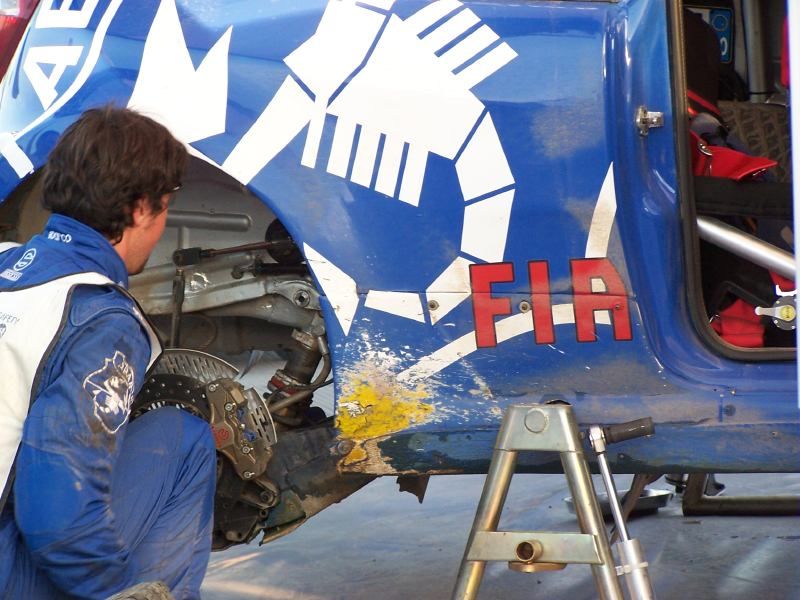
(94, 503)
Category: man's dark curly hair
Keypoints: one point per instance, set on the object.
(105, 162)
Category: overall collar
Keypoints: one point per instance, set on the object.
(89, 245)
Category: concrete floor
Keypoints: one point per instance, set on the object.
(380, 544)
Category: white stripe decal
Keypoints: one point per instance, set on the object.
(446, 33)
(389, 168)
(603, 218)
(337, 285)
(403, 304)
(413, 175)
(366, 153)
(427, 16)
(507, 328)
(486, 65)
(469, 47)
(342, 147)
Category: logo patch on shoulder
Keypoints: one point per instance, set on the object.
(111, 389)
(26, 260)
(14, 273)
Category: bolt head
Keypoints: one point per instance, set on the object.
(536, 420)
(301, 298)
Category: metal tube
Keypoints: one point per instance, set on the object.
(195, 219)
(178, 293)
(634, 567)
(697, 503)
(747, 246)
(613, 502)
(591, 521)
(487, 516)
(757, 83)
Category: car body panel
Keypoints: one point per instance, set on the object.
(527, 153)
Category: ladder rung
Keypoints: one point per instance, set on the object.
(556, 547)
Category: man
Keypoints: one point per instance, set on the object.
(94, 503)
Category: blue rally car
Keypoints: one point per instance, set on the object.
(443, 207)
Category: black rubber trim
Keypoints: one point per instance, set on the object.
(686, 198)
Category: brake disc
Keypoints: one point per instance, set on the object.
(183, 378)
(179, 379)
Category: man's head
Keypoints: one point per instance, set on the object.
(113, 170)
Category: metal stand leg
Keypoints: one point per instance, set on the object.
(493, 497)
(590, 520)
(538, 428)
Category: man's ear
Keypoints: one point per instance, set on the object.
(141, 209)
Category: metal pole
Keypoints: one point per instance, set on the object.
(591, 521)
(487, 517)
(611, 488)
(757, 82)
(631, 555)
(747, 246)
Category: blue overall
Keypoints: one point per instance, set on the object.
(99, 503)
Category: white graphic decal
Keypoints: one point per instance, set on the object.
(401, 304)
(375, 73)
(602, 218)
(65, 16)
(482, 166)
(336, 285)
(449, 290)
(18, 160)
(486, 226)
(191, 103)
(111, 389)
(59, 58)
(13, 153)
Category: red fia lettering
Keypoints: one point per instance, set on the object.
(608, 294)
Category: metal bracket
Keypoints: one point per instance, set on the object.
(647, 120)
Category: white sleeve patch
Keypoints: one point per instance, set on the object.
(111, 390)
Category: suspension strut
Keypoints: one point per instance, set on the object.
(294, 384)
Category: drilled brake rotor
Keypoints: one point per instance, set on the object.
(179, 379)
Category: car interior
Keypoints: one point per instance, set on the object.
(736, 91)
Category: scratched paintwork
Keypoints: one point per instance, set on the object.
(376, 405)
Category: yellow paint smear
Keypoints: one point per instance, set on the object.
(356, 455)
(370, 410)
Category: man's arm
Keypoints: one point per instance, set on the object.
(70, 444)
